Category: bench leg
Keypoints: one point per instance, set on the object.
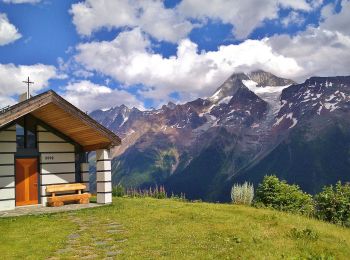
(57, 203)
(84, 201)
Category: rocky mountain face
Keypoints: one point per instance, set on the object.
(254, 124)
(316, 149)
(264, 79)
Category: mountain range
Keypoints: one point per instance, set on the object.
(253, 125)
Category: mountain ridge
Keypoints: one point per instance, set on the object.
(177, 144)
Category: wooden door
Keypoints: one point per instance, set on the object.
(26, 181)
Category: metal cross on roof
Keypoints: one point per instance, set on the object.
(28, 82)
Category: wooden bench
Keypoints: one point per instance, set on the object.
(58, 200)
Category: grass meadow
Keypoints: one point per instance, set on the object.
(145, 228)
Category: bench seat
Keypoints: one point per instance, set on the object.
(58, 200)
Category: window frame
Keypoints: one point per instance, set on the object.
(27, 122)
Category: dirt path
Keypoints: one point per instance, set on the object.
(94, 239)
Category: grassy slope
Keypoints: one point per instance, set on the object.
(171, 229)
(139, 168)
(32, 237)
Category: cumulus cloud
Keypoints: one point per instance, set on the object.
(11, 77)
(8, 32)
(160, 22)
(322, 50)
(319, 52)
(128, 59)
(89, 96)
(337, 21)
(244, 16)
(174, 24)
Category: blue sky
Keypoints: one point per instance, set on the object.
(100, 54)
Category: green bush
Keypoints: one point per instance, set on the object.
(242, 194)
(279, 195)
(118, 191)
(333, 204)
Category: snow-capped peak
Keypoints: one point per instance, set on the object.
(256, 82)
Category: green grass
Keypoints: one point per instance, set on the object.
(32, 237)
(156, 229)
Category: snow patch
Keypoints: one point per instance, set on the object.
(307, 94)
(232, 111)
(225, 100)
(270, 94)
(330, 98)
(329, 84)
(331, 107)
(279, 120)
(289, 116)
(130, 132)
(252, 85)
(124, 120)
(215, 96)
(177, 125)
(295, 121)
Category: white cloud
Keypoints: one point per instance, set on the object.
(319, 52)
(11, 77)
(161, 23)
(21, 1)
(89, 96)
(8, 32)
(298, 4)
(323, 50)
(315, 3)
(174, 24)
(129, 60)
(72, 68)
(152, 16)
(6, 101)
(244, 16)
(339, 22)
(293, 18)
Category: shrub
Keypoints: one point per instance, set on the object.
(242, 194)
(279, 195)
(157, 192)
(118, 191)
(160, 193)
(180, 197)
(333, 204)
